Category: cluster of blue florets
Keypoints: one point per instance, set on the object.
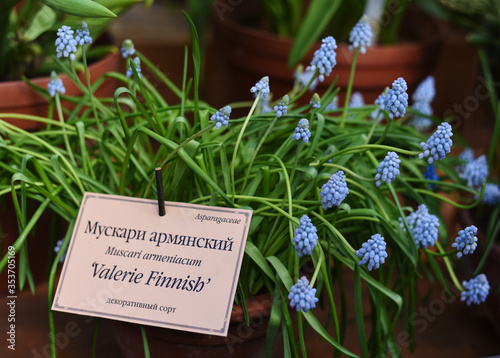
(302, 131)
(137, 65)
(475, 290)
(262, 86)
(127, 49)
(357, 100)
(388, 169)
(422, 98)
(305, 237)
(419, 122)
(373, 252)
(466, 241)
(282, 107)
(361, 35)
(491, 194)
(221, 117)
(333, 105)
(302, 296)
(377, 114)
(396, 100)
(55, 85)
(66, 43)
(57, 248)
(423, 226)
(438, 145)
(324, 59)
(315, 101)
(303, 77)
(430, 174)
(334, 191)
(475, 172)
(83, 35)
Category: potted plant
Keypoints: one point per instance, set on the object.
(329, 189)
(27, 36)
(290, 34)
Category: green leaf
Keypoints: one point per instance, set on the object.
(84, 8)
(44, 19)
(358, 308)
(318, 16)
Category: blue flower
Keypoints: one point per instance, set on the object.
(324, 59)
(334, 191)
(127, 49)
(57, 248)
(333, 105)
(426, 91)
(65, 43)
(396, 100)
(302, 131)
(264, 106)
(423, 226)
(303, 77)
(419, 122)
(361, 35)
(475, 172)
(430, 174)
(466, 241)
(282, 107)
(377, 114)
(491, 194)
(475, 290)
(388, 169)
(372, 252)
(55, 85)
(357, 100)
(221, 117)
(262, 86)
(137, 64)
(465, 157)
(305, 237)
(302, 296)
(83, 35)
(315, 101)
(438, 145)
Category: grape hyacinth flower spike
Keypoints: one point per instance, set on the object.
(305, 237)
(302, 296)
(466, 241)
(65, 43)
(475, 172)
(221, 117)
(315, 101)
(388, 169)
(282, 107)
(302, 131)
(357, 100)
(372, 252)
(491, 194)
(55, 85)
(422, 98)
(127, 49)
(438, 145)
(396, 100)
(83, 35)
(333, 105)
(324, 59)
(377, 113)
(426, 91)
(361, 35)
(423, 226)
(334, 191)
(430, 174)
(475, 290)
(137, 64)
(303, 77)
(57, 248)
(262, 86)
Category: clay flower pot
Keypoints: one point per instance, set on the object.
(19, 97)
(249, 53)
(241, 341)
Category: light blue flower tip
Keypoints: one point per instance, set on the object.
(65, 43)
(83, 35)
(423, 226)
(55, 85)
(475, 290)
(372, 252)
(262, 86)
(361, 35)
(324, 59)
(221, 117)
(466, 241)
(491, 194)
(137, 64)
(475, 172)
(396, 99)
(302, 296)
(282, 107)
(315, 101)
(302, 131)
(438, 145)
(388, 169)
(334, 191)
(426, 91)
(127, 49)
(305, 238)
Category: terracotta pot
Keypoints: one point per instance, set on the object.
(249, 53)
(241, 341)
(491, 268)
(18, 97)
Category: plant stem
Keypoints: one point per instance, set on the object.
(91, 95)
(65, 135)
(349, 87)
(449, 268)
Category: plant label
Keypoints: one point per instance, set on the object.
(178, 271)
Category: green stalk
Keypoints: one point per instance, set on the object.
(349, 87)
(91, 95)
(65, 135)
(145, 342)
(447, 263)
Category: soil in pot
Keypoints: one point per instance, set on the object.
(241, 341)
